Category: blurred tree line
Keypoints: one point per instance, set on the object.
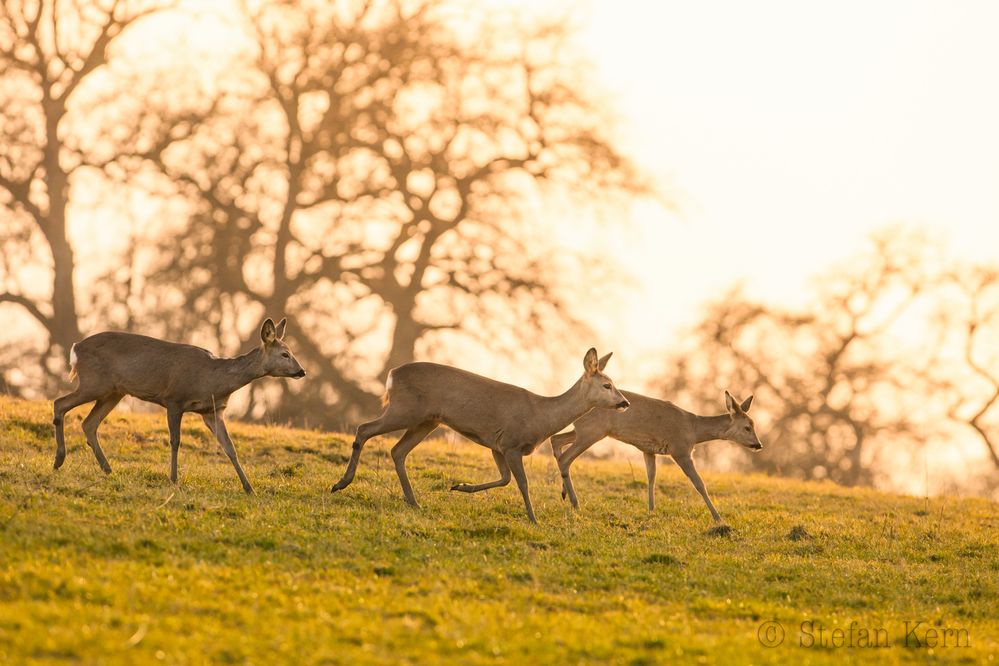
(372, 169)
(894, 351)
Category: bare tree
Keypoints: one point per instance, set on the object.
(48, 50)
(968, 376)
(832, 381)
(375, 172)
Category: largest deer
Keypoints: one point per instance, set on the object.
(507, 419)
(180, 377)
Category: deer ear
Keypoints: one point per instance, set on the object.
(602, 363)
(746, 403)
(731, 405)
(279, 330)
(267, 331)
(590, 362)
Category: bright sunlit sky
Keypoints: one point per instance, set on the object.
(787, 131)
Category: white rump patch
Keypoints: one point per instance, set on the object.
(388, 383)
(72, 363)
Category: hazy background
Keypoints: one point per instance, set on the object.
(787, 131)
(782, 199)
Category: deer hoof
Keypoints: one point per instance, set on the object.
(720, 530)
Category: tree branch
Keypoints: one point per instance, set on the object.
(31, 308)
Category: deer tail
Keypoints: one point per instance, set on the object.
(388, 389)
(72, 363)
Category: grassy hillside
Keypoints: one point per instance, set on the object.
(129, 569)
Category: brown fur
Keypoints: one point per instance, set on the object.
(507, 419)
(656, 427)
(180, 377)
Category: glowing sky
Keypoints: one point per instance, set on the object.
(788, 131)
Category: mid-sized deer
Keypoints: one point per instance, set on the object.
(508, 420)
(182, 378)
(656, 427)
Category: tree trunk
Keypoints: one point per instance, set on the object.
(404, 337)
(65, 328)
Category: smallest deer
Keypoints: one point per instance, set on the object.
(182, 378)
(656, 427)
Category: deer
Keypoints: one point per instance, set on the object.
(183, 378)
(508, 420)
(656, 427)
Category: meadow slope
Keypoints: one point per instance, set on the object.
(127, 568)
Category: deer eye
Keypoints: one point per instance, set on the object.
(285, 354)
(607, 386)
(748, 429)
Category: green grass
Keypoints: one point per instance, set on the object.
(127, 568)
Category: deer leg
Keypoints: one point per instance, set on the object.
(383, 424)
(93, 421)
(174, 417)
(650, 472)
(515, 461)
(504, 479)
(61, 406)
(560, 440)
(210, 420)
(217, 426)
(407, 443)
(686, 463)
(582, 443)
